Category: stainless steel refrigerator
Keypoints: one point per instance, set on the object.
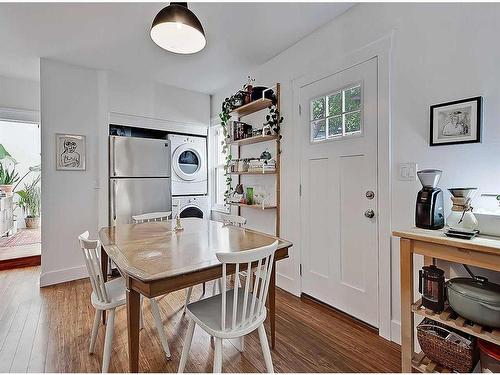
(139, 177)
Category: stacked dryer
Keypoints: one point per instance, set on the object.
(189, 176)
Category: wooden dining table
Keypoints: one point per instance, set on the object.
(155, 260)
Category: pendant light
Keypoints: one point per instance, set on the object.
(177, 29)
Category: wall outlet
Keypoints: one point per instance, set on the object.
(407, 171)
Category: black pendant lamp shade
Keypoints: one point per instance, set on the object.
(177, 29)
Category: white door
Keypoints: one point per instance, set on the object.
(338, 117)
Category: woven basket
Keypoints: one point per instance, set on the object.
(455, 356)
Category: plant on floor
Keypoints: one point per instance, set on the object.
(8, 176)
(29, 201)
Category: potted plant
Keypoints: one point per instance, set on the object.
(7, 177)
(29, 201)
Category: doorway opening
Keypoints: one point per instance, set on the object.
(20, 194)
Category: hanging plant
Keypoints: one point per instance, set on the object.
(274, 119)
(226, 147)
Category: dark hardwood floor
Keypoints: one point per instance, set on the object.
(48, 330)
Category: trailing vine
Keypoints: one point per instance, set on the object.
(273, 119)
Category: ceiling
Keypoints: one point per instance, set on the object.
(115, 36)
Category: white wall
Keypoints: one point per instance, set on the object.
(441, 52)
(82, 101)
(19, 93)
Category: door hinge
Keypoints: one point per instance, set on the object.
(300, 110)
(300, 269)
(300, 190)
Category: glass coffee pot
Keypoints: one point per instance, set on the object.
(461, 216)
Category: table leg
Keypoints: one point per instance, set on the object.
(407, 323)
(272, 305)
(133, 317)
(104, 268)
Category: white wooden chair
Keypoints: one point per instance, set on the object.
(236, 312)
(107, 296)
(151, 216)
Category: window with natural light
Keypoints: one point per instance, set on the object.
(219, 173)
(337, 115)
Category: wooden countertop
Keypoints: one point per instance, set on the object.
(152, 251)
(484, 244)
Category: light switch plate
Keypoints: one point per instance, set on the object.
(407, 171)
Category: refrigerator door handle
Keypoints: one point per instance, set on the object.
(113, 156)
(113, 203)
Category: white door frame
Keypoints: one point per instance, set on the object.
(381, 49)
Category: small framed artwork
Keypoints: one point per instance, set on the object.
(70, 152)
(456, 122)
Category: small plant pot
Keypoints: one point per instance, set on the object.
(32, 222)
(7, 188)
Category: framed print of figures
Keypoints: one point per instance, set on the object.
(70, 152)
(456, 122)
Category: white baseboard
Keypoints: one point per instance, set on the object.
(62, 276)
(288, 284)
(396, 331)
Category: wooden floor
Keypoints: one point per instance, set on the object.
(48, 330)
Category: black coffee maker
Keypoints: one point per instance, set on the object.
(429, 212)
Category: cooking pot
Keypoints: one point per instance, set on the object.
(475, 299)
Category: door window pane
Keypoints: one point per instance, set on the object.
(335, 104)
(352, 99)
(334, 126)
(337, 114)
(318, 130)
(353, 122)
(318, 108)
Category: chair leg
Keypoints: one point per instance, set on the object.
(242, 344)
(204, 289)
(218, 356)
(187, 345)
(108, 341)
(214, 288)
(265, 349)
(188, 296)
(95, 330)
(159, 326)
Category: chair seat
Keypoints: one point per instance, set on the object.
(207, 314)
(116, 291)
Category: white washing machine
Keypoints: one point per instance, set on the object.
(189, 164)
(191, 206)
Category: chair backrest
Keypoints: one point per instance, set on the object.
(235, 220)
(151, 216)
(253, 305)
(90, 250)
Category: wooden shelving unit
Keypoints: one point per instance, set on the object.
(481, 251)
(248, 109)
(451, 319)
(252, 173)
(252, 140)
(252, 107)
(254, 206)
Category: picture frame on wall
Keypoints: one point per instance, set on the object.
(71, 152)
(456, 122)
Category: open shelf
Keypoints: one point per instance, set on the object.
(252, 107)
(421, 363)
(255, 206)
(252, 140)
(253, 173)
(451, 319)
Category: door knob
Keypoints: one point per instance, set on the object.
(369, 214)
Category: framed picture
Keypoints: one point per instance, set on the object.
(70, 152)
(456, 122)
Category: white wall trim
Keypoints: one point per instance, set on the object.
(159, 124)
(287, 283)
(382, 50)
(396, 331)
(19, 115)
(63, 275)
